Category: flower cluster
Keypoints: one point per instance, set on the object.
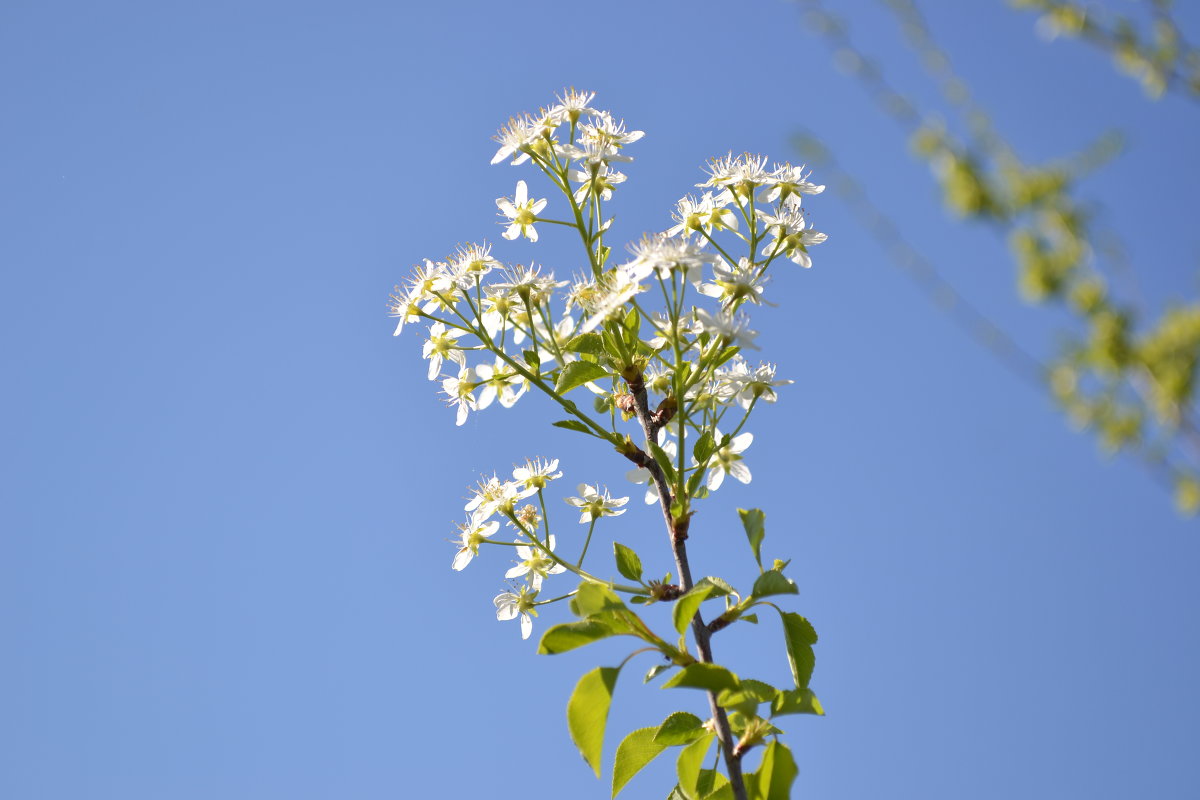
(537, 553)
(497, 331)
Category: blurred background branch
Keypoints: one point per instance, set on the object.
(1123, 370)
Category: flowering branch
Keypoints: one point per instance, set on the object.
(692, 363)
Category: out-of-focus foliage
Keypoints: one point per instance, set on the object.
(1123, 372)
(1152, 51)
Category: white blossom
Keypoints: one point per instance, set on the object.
(521, 212)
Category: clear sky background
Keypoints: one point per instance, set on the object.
(228, 491)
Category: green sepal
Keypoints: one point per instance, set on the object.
(680, 728)
(570, 635)
(711, 677)
(686, 606)
(578, 373)
(773, 582)
(628, 563)
(753, 520)
(635, 751)
(587, 712)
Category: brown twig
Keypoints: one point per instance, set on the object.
(677, 530)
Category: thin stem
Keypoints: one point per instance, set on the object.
(586, 542)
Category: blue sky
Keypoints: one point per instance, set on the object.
(224, 570)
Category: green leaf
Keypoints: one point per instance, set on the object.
(578, 373)
(593, 598)
(570, 635)
(772, 582)
(747, 697)
(720, 587)
(664, 461)
(635, 751)
(796, 701)
(586, 343)
(799, 636)
(711, 782)
(574, 425)
(628, 563)
(677, 794)
(587, 712)
(753, 520)
(776, 772)
(703, 448)
(655, 671)
(724, 790)
(712, 677)
(687, 767)
(679, 728)
(686, 606)
(726, 354)
(632, 328)
(533, 360)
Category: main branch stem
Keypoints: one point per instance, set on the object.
(677, 533)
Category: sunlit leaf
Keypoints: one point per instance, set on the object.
(587, 712)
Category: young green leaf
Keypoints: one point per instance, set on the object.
(796, 701)
(628, 563)
(632, 326)
(574, 425)
(587, 712)
(568, 636)
(686, 606)
(655, 671)
(753, 520)
(578, 373)
(772, 582)
(712, 677)
(591, 343)
(776, 772)
(679, 728)
(799, 636)
(703, 448)
(592, 598)
(720, 587)
(687, 767)
(713, 785)
(635, 751)
(664, 461)
(532, 359)
(723, 789)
